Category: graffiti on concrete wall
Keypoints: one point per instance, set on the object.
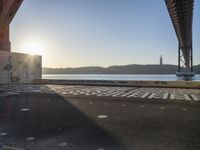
(19, 68)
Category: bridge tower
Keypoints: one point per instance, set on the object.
(181, 13)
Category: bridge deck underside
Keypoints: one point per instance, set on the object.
(181, 13)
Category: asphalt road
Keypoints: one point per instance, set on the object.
(45, 121)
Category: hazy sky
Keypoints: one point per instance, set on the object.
(73, 33)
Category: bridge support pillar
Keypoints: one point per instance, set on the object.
(4, 38)
(15, 67)
(185, 67)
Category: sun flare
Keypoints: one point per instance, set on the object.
(33, 48)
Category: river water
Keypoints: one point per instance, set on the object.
(117, 77)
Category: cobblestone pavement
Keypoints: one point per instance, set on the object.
(192, 95)
(59, 117)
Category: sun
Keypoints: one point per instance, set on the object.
(33, 48)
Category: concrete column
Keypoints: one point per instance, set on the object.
(4, 38)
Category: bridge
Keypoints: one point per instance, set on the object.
(180, 11)
(95, 116)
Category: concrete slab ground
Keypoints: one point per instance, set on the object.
(98, 118)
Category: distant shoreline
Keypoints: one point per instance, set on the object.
(133, 69)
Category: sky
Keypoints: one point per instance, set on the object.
(77, 33)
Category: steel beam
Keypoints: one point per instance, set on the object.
(8, 9)
(181, 13)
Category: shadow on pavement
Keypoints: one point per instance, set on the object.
(51, 120)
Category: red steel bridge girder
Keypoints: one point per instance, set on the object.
(8, 9)
(181, 13)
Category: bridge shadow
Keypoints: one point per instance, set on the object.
(50, 119)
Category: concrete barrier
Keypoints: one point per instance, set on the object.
(163, 84)
(19, 68)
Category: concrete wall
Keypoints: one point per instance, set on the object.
(19, 68)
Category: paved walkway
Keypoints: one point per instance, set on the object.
(59, 117)
(192, 95)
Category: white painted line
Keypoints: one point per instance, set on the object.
(75, 94)
(180, 97)
(145, 95)
(25, 109)
(87, 94)
(172, 96)
(195, 98)
(186, 96)
(165, 96)
(126, 94)
(154, 95)
(116, 95)
(102, 116)
(93, 93)
(136, 94)
(112, 93)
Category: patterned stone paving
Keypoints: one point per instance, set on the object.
(99, 91)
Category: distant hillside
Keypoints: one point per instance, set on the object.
(126, 69)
